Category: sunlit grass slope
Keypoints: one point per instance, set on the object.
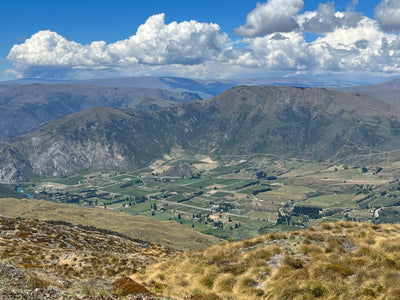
(334, 261)
(166, 233)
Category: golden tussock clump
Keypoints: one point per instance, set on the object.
(341, 260)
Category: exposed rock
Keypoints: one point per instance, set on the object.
(182, 170)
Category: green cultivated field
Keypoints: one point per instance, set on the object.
(68, 180)
(238, 199)
(339, 200)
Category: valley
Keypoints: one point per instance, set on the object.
(237, 197)
(248, 161)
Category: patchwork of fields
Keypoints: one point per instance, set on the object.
(236, 197)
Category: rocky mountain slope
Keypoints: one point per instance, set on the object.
(26, 107)
(312, 123)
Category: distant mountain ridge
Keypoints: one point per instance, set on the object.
(26, 104)
(26, 107)
(313, 123)
(205, 88)
(388, 91)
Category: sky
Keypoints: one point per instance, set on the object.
(205, 39)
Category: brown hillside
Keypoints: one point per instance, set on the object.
(167, 233)
(41, 260)
(333, 261)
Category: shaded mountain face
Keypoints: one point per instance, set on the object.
(98, 138)
(26, 107)
(311, 123)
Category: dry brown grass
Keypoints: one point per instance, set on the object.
(86, 258)
(334, 261)
(341, 260)
(166, 233)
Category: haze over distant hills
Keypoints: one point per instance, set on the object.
(205, 88)
(313, 123)
(26, 107)
(27, 104)
(388, 91)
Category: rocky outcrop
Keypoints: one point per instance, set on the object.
(14, 167)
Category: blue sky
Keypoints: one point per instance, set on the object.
(226, 38)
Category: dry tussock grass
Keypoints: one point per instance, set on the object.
(84, 256)
(343, 260)
(71, 251)
(137, 227)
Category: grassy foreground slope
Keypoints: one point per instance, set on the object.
(166, 233)
(334, 261)
(43, 260)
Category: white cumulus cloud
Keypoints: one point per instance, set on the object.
(361, 48)
(270, 17)
(326, 19)
(346, 42)
(155, 43)
(388, 14)
(277, 51)
(158, 43)
(47, 48)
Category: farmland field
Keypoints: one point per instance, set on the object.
(234, 198)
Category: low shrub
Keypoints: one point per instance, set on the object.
(292, 262)
(318, 290)
(372, 289)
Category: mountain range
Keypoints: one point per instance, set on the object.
(205, 88)
(26, 107)
(27, 104)
(313, 123)
(52, 250)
